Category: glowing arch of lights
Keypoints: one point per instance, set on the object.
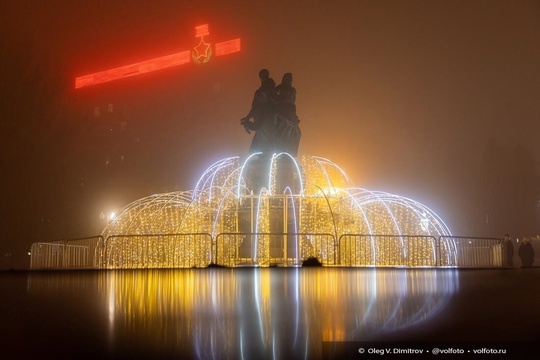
(316, 198)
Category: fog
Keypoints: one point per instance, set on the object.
(436, 101)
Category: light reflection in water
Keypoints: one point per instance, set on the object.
(243, 313)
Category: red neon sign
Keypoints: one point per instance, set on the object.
(201, 53)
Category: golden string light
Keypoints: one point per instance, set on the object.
(269, 210)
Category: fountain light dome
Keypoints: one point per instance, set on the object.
(266, 210)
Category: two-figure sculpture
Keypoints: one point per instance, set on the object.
(273, 117)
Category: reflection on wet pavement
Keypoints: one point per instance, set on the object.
(278, 312)
(261, 313)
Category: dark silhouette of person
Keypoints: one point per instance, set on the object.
(508, 251)
(262, 112)
(288, 131)
(257, 105)
(526, 253)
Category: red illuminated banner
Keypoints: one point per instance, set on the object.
(227, 47)
(201, 53)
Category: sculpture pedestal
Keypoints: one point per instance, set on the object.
(275, 186)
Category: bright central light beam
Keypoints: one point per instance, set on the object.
(199, 53)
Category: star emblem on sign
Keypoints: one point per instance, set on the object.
(199, 54)
(202, 52)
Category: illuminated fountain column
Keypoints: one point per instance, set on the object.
(272, 208)
(255, 180)
(287, 190)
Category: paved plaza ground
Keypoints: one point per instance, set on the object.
(264, 313)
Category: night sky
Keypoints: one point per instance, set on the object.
(438, 101)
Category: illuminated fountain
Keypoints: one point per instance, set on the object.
(262, 211)
(265, 210)
(272, 210)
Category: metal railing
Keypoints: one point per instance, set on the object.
(66, 254)
(265, 249)
(461, 251)
(387, 250)
(157, 251)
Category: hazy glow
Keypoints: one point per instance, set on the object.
(201, 30)
(139, 68)
(265, 211)
(200, 54)
(228, 47)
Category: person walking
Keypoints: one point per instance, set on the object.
(526, 253)
(508, 251)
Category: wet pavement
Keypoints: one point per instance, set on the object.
(276, 313)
